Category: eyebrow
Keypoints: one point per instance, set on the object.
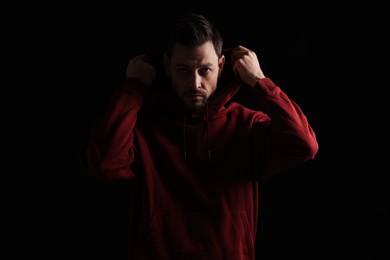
(201, 65)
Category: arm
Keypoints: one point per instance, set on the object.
(110, 152)
(287, 139)
(283, 137)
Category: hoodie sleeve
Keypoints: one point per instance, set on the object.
(109, 152)
(289, 139)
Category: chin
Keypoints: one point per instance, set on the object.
(195, 106)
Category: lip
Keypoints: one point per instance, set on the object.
(195, 96)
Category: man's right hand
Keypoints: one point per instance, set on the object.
(140, 67)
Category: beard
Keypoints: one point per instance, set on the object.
(195, 99)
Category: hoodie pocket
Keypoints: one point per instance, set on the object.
(201, 235)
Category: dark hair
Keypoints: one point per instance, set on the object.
(192, 30)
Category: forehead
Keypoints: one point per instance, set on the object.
(202, 54)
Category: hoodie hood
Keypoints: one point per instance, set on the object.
(163, 100)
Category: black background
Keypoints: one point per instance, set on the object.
(336, 206)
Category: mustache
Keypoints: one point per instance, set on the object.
(195, 92)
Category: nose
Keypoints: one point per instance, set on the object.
(195, 81)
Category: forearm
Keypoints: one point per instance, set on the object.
(290, 136)
(109, 151)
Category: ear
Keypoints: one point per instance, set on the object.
(221, 64)
(166, 65)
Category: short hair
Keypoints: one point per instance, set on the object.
(192, 30)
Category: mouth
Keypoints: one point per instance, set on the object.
(195, 96)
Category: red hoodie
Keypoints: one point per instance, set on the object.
(195, 179)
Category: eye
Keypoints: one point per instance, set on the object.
(204, 71)
(182, 70)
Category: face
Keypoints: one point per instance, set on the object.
(194, 73)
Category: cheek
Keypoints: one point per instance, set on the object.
(177, 86)
(212, 86)
(211, 90)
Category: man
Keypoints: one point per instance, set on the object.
(193, 157)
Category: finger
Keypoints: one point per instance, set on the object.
(144, 58)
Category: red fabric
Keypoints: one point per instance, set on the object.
(198, 207)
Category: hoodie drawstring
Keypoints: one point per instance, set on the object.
(207, 129)
(207, 134)
(184, 136)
